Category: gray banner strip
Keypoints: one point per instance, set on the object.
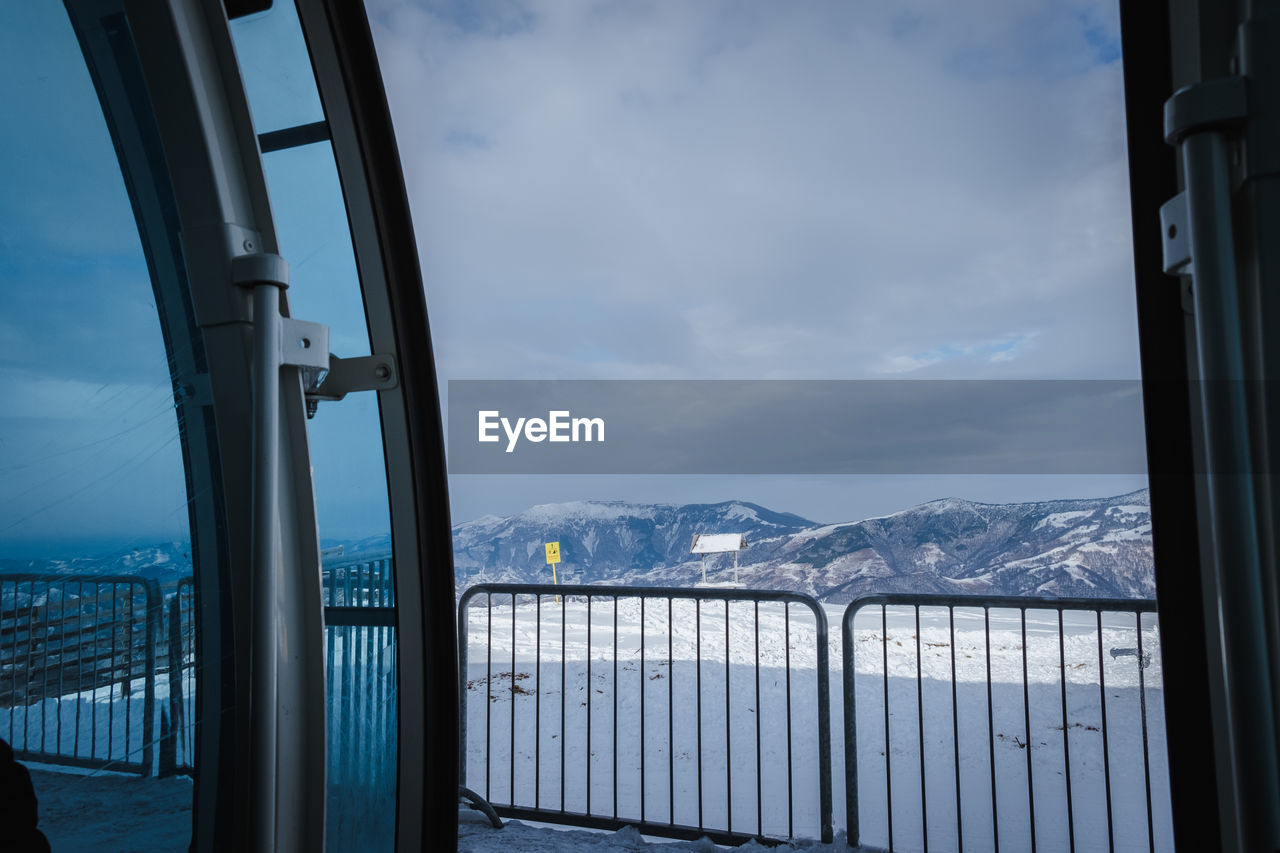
(796, 427)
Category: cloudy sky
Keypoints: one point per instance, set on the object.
(647, 190)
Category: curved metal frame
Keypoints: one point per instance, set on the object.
(169, 83)
(359, 119)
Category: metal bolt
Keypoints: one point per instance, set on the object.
(248, 245)
(382, 373)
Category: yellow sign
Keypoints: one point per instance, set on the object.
(553, 552)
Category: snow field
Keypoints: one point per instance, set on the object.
(776, 793)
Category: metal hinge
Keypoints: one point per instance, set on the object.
(305, 344)
(342, 376)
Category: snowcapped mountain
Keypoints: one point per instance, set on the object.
(1098, 547)
(1094, 547)
(603, 540)
(163, 561)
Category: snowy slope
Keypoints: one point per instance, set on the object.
(1098, 547)
(1093, 548)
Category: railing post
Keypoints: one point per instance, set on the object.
(152, 634)
(849, 677)
(462, 686)
(173, 711)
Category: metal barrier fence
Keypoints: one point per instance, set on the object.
(360, 674)
(670, 771)
(78, 669)
(972, 755)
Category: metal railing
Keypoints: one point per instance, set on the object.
(78, 669)
(361, 690)
(669, 771)
(971, 754)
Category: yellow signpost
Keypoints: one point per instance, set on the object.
(553, 557)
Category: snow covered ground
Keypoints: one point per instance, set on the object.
(526, 770)
(122, 813)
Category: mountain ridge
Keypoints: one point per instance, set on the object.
(1085, 547)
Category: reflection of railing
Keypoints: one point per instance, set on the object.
(972, 759)
(360, 674)
(692, 731)
(77, 669)
(177, 723)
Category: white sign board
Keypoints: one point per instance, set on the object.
(718, 543)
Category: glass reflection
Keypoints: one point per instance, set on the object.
(94, 537)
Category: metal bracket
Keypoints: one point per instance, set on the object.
(345, 375)
(304, 344)
(1176, 235)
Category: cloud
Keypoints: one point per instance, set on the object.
(989, 352)
(777, 191)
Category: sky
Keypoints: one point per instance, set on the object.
(603, 190)
(752, 190)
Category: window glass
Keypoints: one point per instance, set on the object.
(95, 554)
(730, 190)
(276, 69)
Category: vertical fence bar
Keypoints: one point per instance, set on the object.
(512, 745)
(759, 714)
(26, 688)
(13, 663)
(888, 757)
(1026, 712)
(93, 675)
(169, 758)
(644, 676)
(464, 692)
(152, 631)
(126, 682)
(698, 692)
(823, 664)
(991, 731)
(537, 704)
(44, 666)
(671, 730)
(924, 796)
(1066, 738)
(791, 800)
(488, 694)
(1106, 752)
(62, 652)
(728, 731)
(589, 691)
(79, 660)
(563, 698)
(615, 707)
(955, 726)
(1146, 755)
